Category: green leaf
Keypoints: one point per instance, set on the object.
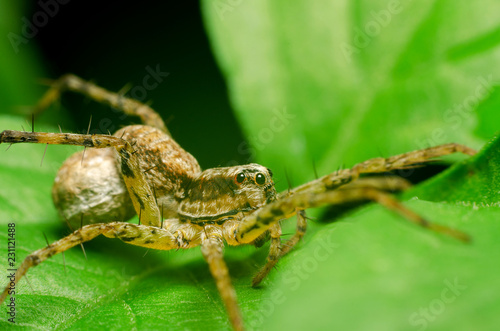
(370, 271)
(357, 79)
(374, 271)
(420, 74)
(372, 264)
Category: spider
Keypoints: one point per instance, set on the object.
(141, 170)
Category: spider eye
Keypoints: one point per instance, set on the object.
(240, 178)
(260, 178)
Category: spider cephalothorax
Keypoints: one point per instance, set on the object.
(222, 194)
(142, 171)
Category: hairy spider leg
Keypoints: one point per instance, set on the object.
(380, 165)
(116, 100)
(350, 178)
(139, 235)
(300, 231)
(253, 225)
(139, 190)
(212, 247)
(275, 251)
(388, 183)
(347, 179)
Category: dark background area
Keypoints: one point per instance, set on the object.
(112, 42)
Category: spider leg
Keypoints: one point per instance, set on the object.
(299, 233)
(129, 106)
(390, 183)
(141, 194)
(139, 235)
(384, 183)
(275, 251)
(253, 225)
(212, 247)
(379, 165)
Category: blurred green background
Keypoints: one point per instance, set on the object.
(289, 85)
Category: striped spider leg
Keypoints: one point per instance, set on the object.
(128, 106)
(342, 187)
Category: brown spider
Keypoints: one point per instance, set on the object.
(180, 206)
